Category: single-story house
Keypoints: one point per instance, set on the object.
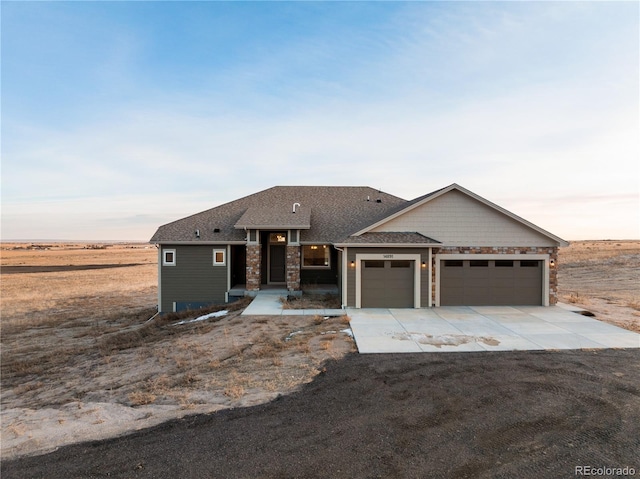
(373, 249)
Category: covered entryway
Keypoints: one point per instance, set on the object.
(482, 282)
(387, 283)
(276, 257)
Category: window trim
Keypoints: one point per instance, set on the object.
(165, 262)
(224, 257)
(324, 266)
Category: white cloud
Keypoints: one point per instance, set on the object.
(452, 99)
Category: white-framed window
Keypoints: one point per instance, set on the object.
(168, 257)
(316, 256)
(219, 257)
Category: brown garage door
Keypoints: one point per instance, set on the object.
(387, 284)
(488, 282)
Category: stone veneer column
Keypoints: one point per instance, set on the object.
(254, 257)
(293, 268)
(553, 277)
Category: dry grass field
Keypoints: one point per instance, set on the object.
(43, 284)
(80, 360)
(604, 278)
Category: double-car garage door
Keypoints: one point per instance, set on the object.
(490, 282)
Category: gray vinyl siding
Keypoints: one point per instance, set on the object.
(193, 279)
(424, 272)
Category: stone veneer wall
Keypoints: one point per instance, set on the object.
(293, 268)
(254, 256)
(468, 250)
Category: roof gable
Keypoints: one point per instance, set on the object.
(457, 216)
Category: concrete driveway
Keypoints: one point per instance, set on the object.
(483, 328)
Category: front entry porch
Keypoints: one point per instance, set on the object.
(240, 290)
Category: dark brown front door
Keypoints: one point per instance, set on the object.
(238, 265)
(277, 263)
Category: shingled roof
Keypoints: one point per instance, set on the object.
(389, 238)
(333, 214)
(267, 217)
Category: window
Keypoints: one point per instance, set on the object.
(219, 257)
(168, 257)
(453, 263)
(316, 256)
(401, 264)
(478, 263)
(277, 238)
(504, 263)
(529, 263)
(373, 264)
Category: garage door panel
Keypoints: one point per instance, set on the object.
(389, 286)
(490, 283)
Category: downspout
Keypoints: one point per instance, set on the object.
(344, 276)
(159, 247)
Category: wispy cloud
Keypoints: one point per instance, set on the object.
(510, 100)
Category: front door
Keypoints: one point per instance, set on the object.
(277, 257)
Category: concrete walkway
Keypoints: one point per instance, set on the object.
(268, 304)
(483, 328)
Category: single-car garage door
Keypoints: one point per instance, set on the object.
(489, 282)
(387, 284)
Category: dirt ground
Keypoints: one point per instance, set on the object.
(82, 361)
(604, 278)
(455, 415)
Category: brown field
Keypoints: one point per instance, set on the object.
(80, 360)
(604, 278)
(67, 293)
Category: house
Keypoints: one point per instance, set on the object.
(449, 247)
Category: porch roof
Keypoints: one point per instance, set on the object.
(389, 238)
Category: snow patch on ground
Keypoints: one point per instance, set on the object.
(217, 314)
(444, 339)
(43, 430)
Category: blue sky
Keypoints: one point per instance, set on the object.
(121, 116)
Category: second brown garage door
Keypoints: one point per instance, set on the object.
(387, 284)
(490, 283)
